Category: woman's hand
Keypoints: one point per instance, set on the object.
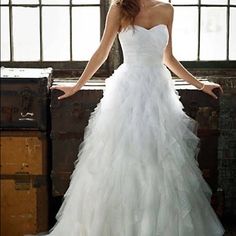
(68, 90)
(209, 87)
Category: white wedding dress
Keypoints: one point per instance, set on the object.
(136, 172)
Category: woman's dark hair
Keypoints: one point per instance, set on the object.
(129, 9)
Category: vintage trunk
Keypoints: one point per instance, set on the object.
(205, 110)
(25, 98)
(24, 182)
(70, 116)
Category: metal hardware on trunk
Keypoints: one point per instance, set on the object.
(22, 181)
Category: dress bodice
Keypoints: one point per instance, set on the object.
(144, 46)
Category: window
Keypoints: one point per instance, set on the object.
(58, 33)
(64, 33)
(204, 32)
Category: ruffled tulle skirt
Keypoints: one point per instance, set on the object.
(136, 172)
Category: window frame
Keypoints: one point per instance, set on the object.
(69, 67)
(75, 68)
(210, 64)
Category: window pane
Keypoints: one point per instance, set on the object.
(184, 1)
(5, 38)
(185, 33)
(232, 35)
(213, 33)
(55, 2)
(86, 37)
(86, 1)
(214, 2)
(56, 34)
(233, 2)
(25, 1)
(26, 34)
(4, 1)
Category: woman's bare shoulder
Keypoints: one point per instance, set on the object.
(115, 9)
(115, 6)
(165, 5)
(114, 13)
(166, 8)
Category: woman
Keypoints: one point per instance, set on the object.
(136, 172)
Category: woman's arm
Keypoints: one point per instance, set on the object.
(100, 55)
(176, 67)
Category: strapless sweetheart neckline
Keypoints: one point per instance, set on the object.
(155, 26)
(159, 26)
